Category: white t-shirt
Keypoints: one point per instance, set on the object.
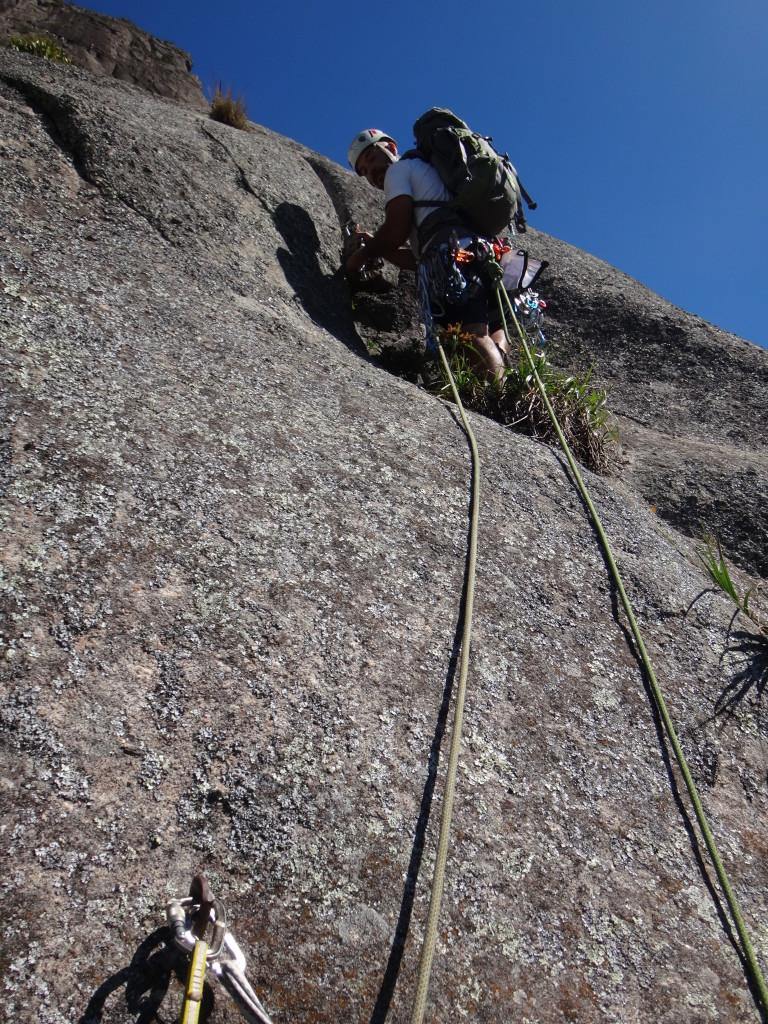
(420, 181)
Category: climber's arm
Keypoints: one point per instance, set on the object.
(389, 241)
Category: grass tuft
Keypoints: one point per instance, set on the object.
(713, 560)
(514, 399)
(229, 110)
(40, 46)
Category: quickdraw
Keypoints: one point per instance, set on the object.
(199, 930)
(530, 307)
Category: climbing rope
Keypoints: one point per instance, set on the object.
(751, 961)
(438, 878)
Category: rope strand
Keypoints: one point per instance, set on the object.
(753, 968)
(438, 878)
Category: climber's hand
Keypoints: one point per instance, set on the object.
(356, 260)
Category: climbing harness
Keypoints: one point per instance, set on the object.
(439, 279)
(199, 929)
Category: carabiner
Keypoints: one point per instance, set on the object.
(181, 926)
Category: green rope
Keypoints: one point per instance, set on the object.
(746, 945)
(438, 878)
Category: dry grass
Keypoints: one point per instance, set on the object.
(229, 110)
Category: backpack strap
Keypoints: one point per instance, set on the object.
(444, 216)
(528, 201)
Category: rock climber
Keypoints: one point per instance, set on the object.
(468, 299)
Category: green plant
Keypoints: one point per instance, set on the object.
(40, 46)
(228, 110)
(515, 400)
(714, 562)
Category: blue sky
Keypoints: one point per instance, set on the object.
(640, 129)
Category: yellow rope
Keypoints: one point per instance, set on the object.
(194, 993)
(430, 934)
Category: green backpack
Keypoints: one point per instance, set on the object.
(487, 194)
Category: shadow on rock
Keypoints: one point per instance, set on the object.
(323, 296)
(748, 658)
(146, 980)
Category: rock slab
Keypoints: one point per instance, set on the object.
(233, 556)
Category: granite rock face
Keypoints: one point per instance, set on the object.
(114, 47)
(234, 551)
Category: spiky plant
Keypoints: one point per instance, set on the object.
(713, 560)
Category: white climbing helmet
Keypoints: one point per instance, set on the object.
(362, 141)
